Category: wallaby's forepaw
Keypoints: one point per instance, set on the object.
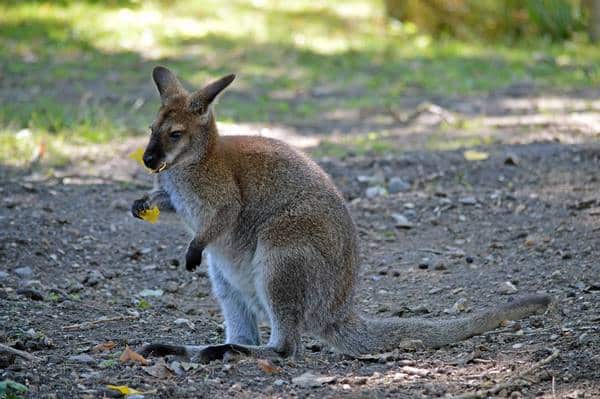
(193, 257)
(139, 206)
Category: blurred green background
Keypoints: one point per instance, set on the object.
(73, 73)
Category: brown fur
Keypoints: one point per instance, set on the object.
(279, 238)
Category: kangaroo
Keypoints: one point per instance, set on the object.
(279, 241)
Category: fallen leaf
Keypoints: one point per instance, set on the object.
(150, 215)
(158, 370)
(104, 346)
(124, 390)
(130, 355)
(267, 366)
(475, 155)
(138, 155)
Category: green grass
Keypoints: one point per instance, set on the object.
(78, 72)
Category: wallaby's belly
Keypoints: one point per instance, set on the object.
(240, 272)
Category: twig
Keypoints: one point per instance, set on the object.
(17, 352)
(482, 393)
(93, 323)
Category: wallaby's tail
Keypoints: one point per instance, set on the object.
(357, 335)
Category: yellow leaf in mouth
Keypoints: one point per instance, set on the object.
(475, 155)
(124, 390)
(138, 156)
(150, 215)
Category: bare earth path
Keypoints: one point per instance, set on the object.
(528, 215)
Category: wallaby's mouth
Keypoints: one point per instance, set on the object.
(162, 167)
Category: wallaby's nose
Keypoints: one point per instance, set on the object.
(149, 160)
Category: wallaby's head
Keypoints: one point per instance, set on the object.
(184, 127)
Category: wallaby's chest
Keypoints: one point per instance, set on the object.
(187, 204)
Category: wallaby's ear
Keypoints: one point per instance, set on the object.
(167, 84)
(202, 99)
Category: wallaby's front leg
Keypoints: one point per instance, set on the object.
(158, 198)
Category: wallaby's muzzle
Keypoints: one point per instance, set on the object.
(154, 158)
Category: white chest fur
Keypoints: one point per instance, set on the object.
(185, 202)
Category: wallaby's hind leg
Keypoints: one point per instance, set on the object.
(284, 303)
(240, 321)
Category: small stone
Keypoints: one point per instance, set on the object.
(584, 338)
(83, 358)
(309, 380)
(183, 321)
(440, 265)
(397, 185)
(23, 272)
(171, 286)
(93, 278)
(553, 337)
(423, 265)
(74, 286)
(31, 294)
(468, 200)
(508, 288)
(278, 383)
(120, 204)
(511, 159)
(375, 191)
(402, 221)
(517, 346)
(469, 259)
(3, 275)
(459, 306)
(150, 293)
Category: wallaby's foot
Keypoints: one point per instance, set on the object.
(139, 206)
(161, 350)
(206, 354)
(193, 256)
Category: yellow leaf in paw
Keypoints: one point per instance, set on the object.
(138, 155)
(150, 215)
(475, 155)
(124, 389)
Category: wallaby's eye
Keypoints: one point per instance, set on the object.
(176, 135)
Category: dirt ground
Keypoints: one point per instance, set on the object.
(70, 253)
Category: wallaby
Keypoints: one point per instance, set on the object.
(278, 238)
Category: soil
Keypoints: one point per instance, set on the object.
(71, 253)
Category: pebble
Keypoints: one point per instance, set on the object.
(278, 383)
(397, 185)
(3, 275)
(182, 321)
(171, 286)
(508, 288)
(423, 265)
(93, 278)
(469, 259)
(74, 286)
(309, 380)
(459, 306)
(402, 221)
(440, 265)
(31, 294)
(375, 191)
(83, 358)
(468, 201)
(150, 293)
(120, 204)
(24, 271)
